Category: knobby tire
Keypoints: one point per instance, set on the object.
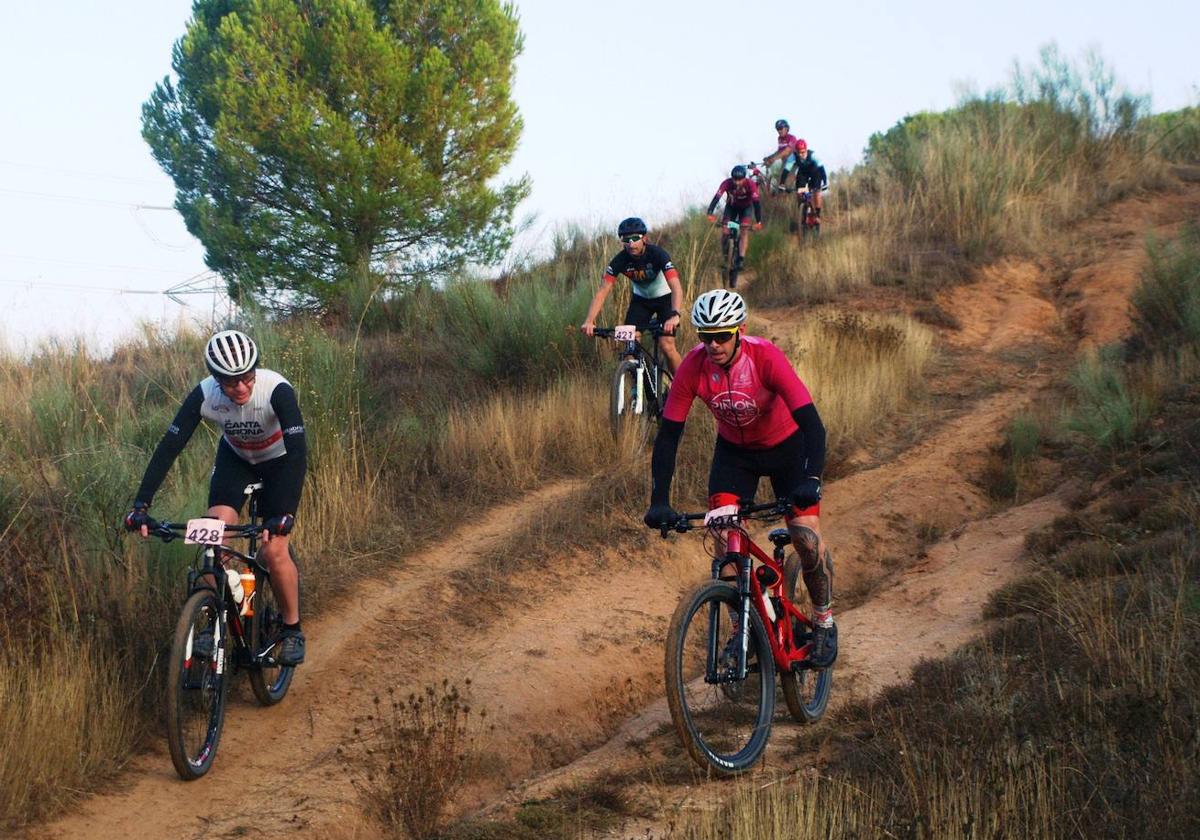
(269, 680)
(806, 692)
(625, 412)
(724, 726)
(197, 686)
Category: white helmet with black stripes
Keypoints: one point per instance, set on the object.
(230, 353)
(720, 309)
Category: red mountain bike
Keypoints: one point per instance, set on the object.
(728, 639)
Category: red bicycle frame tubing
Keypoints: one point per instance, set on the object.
(779, 632)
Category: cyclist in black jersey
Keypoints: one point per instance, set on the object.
(657, 292)
(262, 440)
(810, 175)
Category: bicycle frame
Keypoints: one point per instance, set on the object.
(650, 362)
(741, 551)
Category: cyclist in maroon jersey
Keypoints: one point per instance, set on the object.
(741, 197)
(767, 425)
(785, 151)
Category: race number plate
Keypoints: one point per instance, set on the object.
(723, 512)
(204, 532)
(625, 332)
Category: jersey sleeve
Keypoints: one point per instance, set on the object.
(172, 443)
(779, 376)
(287, 409)
(683, 388)
(615, 266)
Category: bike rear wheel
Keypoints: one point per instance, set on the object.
(197, 684)
(723, 723)
(269, 680)
(806, 692)
(629, 404)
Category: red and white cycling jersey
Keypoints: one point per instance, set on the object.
(753, 400)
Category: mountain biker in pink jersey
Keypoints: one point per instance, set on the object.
(767, 425)
(262, 440)
(741, 196)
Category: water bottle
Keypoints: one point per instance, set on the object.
(235, 585)
(768, 605)
(247, 583)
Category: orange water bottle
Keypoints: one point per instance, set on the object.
(248, 589)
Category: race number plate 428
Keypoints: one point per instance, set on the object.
(204, 532)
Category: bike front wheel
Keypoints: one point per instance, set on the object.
(197, 684)
(805, 691)
(628, 402)
(268, 679)
(723, 722)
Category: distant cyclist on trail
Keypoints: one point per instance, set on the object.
(657, 292)
(741, 197)
(262, 440)
(767, 425)
(785, 151)
(810, 175)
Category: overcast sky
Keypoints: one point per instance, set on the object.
(629, 107)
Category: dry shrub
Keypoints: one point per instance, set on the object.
(410, 757)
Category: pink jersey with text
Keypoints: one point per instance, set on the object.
(753, 400)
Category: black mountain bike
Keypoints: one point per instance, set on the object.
(732, 250)
(229, 622)
(640, 382)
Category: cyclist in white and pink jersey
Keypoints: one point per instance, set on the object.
(767, 425)
(262, 440)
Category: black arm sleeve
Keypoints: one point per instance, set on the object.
(824, 179)
(758, 211)
(662, 462)
(813, 429)
(712, 205)
(287, 409)
(172, 443)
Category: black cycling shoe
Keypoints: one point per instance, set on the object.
(202, 644)
(823, 652)
(291, 648)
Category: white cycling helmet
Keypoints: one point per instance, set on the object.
(719, 309)
(230, 353)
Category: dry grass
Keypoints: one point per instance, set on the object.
(859, 368)
(64, 727)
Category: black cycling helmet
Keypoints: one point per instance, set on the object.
(630, 226)
(738, 171)
(781, 124)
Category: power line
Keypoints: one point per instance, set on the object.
(97, 266)
(83, 199)
(79, 173)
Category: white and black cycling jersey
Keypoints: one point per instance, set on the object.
(254, 429)
(267, 428)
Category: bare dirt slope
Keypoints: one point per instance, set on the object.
(571, 675)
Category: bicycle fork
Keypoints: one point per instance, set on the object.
(717, 671)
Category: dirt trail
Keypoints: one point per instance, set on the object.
(545, 670)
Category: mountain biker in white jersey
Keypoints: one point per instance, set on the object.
(263, 440)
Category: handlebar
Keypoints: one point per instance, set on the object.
(607, 332)
(167, 531)
(767, 510)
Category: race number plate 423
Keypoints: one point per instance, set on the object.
(204, 532)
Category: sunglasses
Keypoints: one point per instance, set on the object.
(719, 337)
(233, 381)
(637, 237)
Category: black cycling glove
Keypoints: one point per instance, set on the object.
(137, 517)
(280, 526)
(807, 493)
(659, 516)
